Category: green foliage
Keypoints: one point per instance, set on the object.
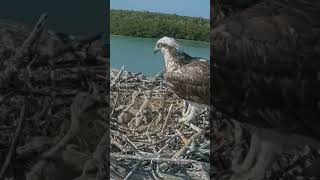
(157, 25)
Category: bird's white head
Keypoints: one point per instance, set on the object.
(166, 43)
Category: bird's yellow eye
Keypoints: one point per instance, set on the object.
(160, 45)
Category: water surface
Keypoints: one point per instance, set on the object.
(136, 54)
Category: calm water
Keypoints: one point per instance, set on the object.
(136, 54)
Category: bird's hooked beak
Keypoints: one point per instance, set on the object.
(155, 50)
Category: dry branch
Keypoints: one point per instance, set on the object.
(14, 142)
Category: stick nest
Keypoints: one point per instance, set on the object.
(147, 142)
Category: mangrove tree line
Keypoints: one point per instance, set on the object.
(156, 25)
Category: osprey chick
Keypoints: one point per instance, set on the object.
(188, 77)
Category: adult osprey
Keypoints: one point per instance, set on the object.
(267, 74)
(188, 77)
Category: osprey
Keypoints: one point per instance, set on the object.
(267, 74)
(188, 77)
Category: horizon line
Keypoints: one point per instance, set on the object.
(208, 18)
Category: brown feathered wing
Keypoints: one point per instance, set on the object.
(191, 82)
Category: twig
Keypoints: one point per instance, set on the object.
(14, 142)
(117, 78)
(155, 159)
(187, 143)
(136, 151)
(157, 142)
(131, 172)
(134, 148)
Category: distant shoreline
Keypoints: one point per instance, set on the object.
(202, 17)
(156, 25)
(204, 42)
